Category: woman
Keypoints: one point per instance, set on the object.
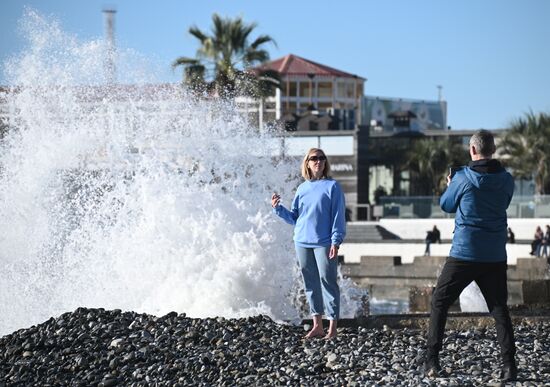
(318, 214)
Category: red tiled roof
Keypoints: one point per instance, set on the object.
(294, 65)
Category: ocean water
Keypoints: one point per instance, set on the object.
(136, 196)
(387, 306)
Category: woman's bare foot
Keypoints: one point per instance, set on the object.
(331, 334)
(315, 332)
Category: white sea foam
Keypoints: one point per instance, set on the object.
(134, 197)
(471, 299)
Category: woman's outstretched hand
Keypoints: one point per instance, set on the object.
(275, 200)
(333, 253)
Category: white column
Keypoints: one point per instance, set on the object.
(360, 104)
(297, 94)
(316, 95)
(278, 104)
(261, 113)
(334, 92)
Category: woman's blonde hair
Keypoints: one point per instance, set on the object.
(306, 173)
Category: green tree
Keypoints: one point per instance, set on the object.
(224, 55)
(525, 148)
(428, 161)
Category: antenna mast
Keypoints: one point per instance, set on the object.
(110, 67)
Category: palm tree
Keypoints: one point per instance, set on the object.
(429, 161)
(223, 57)
(526, 149)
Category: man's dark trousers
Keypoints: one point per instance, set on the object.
(491, 279)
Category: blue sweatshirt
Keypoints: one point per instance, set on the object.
(479, 195)
(318, 214)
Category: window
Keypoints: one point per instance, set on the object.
(304, 89)
(292, 89)
(325, 89)
(359, 89)
(298, 146)
(349, 90)
(341, 90)
(337, 145)
(346, 90)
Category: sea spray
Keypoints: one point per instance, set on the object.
(136, 196)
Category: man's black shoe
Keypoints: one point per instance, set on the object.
(509, 373)
(432, 369)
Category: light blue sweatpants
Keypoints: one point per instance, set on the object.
(320, 280)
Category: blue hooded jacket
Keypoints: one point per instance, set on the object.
(479, 195)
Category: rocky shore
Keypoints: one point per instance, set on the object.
(96, 347)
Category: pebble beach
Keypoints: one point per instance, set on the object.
(97, 347)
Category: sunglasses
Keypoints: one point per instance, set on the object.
(317, 158)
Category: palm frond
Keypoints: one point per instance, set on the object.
(255, 56)
(197, 33)
(184, 61)
(262, 39)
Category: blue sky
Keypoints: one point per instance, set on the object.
(492, 57)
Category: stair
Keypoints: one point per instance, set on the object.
(366, 232)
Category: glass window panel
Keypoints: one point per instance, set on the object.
(304, 89)
(298, 146)
(341, 90)
(337, 145)
(349, 90)
(325, 89)
(292, 89)
(359, 89)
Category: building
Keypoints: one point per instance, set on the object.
(312, 96)
(399, 114)
(366, 137)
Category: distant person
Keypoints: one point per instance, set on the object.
(348, 215)
(428, 240)
(543, 247)
(511, 236)
(479, 194)
(318, 214)
(432, 236)
(535, 244)
(437, 235)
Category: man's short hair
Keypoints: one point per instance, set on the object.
(484, 142)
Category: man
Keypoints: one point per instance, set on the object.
(432, 237)
(479, 194)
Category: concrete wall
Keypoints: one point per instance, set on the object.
(389, 278)
(413, 232)
(352, 252)
(523, 228)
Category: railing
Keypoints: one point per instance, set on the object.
(419, 207)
